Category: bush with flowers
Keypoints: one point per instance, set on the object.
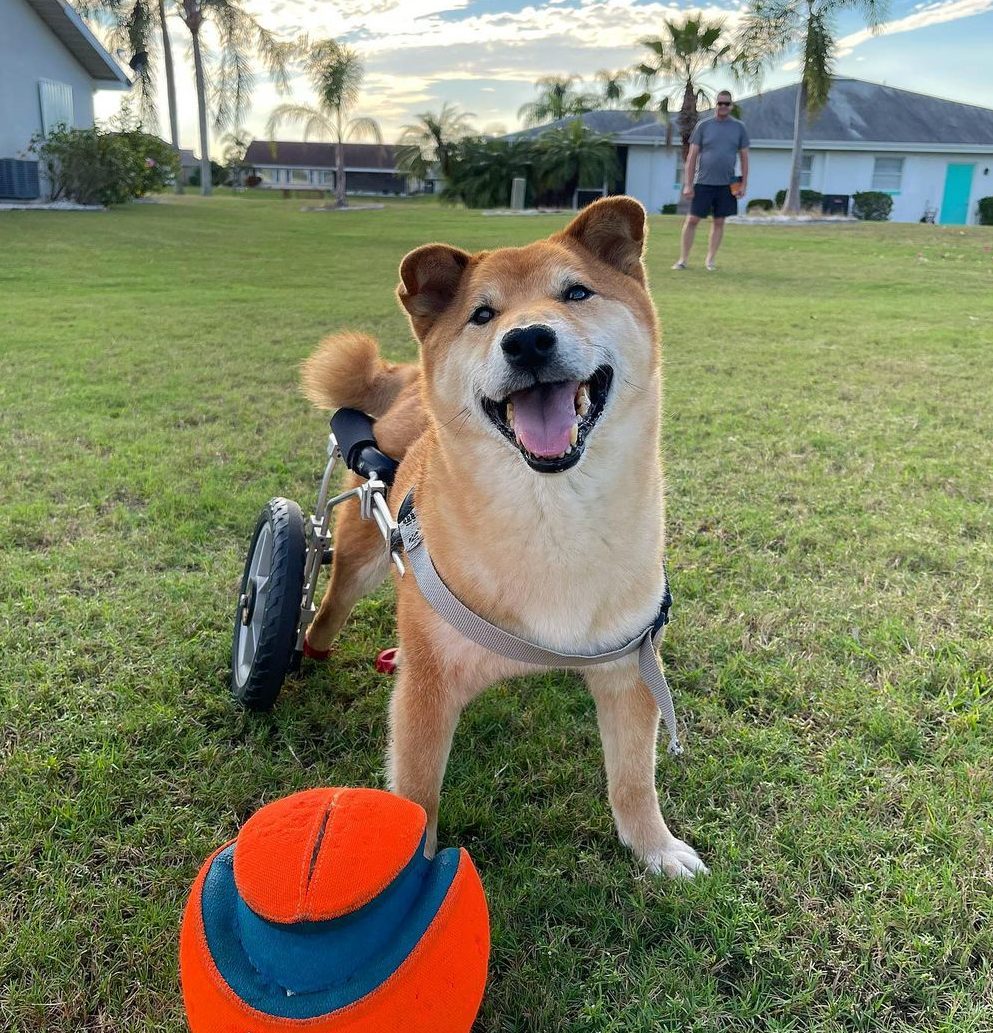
(94, 166)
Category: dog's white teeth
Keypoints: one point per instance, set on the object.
(510, 414)
(573, 436)
(582, 401)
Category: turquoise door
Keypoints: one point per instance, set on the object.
(958, 187)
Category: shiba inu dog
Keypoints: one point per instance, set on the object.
(530, 429)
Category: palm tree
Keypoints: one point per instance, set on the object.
(336, 74)
(238, 34)
(687, 50)
(136, 24)
(772, 28)
(612, 86)
(558, 98)
(573, 156)
(430, 140)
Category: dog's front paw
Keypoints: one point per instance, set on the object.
(678, 860)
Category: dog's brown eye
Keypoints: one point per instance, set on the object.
(577, 292)
(482, 315)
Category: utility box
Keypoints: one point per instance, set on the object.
(518, 189)
(835, 204)
(19, 179)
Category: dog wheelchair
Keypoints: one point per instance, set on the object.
(276, 599)
(285, 558)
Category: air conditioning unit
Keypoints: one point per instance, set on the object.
(19, 179)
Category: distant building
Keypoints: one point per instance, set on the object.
(188, 162)
(370, 168)
(50, 65)
(931, 156)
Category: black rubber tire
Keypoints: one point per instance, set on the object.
(260, 659)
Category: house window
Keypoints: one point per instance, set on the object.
(806, 171)
(269, 175)
(299, 176)
(678, 178)
(56, 104)
(327, 176)
(887, 174)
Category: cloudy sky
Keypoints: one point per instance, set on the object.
(485, 55)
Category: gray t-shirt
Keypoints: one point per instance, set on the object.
(719, 143)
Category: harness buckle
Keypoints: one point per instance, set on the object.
(410, 531)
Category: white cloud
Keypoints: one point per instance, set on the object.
(924, 16)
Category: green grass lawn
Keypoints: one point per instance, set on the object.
(827, 436)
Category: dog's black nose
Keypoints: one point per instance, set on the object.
(529, 347)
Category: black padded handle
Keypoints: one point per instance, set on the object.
(353, 431)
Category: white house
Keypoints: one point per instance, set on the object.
(934, 157)
(50, 65)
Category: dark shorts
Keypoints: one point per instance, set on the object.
(713, 200)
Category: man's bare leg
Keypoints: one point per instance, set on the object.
(689, 232)
(716, 236)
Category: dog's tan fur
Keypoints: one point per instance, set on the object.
(571, 560)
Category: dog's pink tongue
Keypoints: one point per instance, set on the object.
(543, 417)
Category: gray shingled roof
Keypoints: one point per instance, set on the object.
(863, 112)
(607, 122)
(858, 112)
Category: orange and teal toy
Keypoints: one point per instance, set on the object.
(324, 916)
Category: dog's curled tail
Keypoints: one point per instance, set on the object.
(348, 371)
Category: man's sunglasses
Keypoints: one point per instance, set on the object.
(724, 103)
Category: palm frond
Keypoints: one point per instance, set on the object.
(314, 121)
(130, 25)
(874, 12)
(276, 55)
(363, 126)
(235, 77)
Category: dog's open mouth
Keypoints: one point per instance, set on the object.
(550, 423)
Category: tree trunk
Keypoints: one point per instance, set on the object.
(205, 184)
(339, 175)
(687, 123)
(791, 206)
(170, 89)
(687, 117)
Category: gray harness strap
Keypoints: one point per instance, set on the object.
(483, 633)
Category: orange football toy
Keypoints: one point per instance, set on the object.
(324, 916)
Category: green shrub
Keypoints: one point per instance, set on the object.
(872, 205)
(90, 166)
(760, 203)
(669, 209)
(808, 198)
(986, 211)
(219, 175)
(481, 171)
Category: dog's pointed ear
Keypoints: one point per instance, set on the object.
(614, 231)
(429, 280)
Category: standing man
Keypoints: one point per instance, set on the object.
(714, 148)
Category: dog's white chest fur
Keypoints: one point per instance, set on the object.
(573, 562)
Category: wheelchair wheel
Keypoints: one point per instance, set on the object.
(268, 613)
